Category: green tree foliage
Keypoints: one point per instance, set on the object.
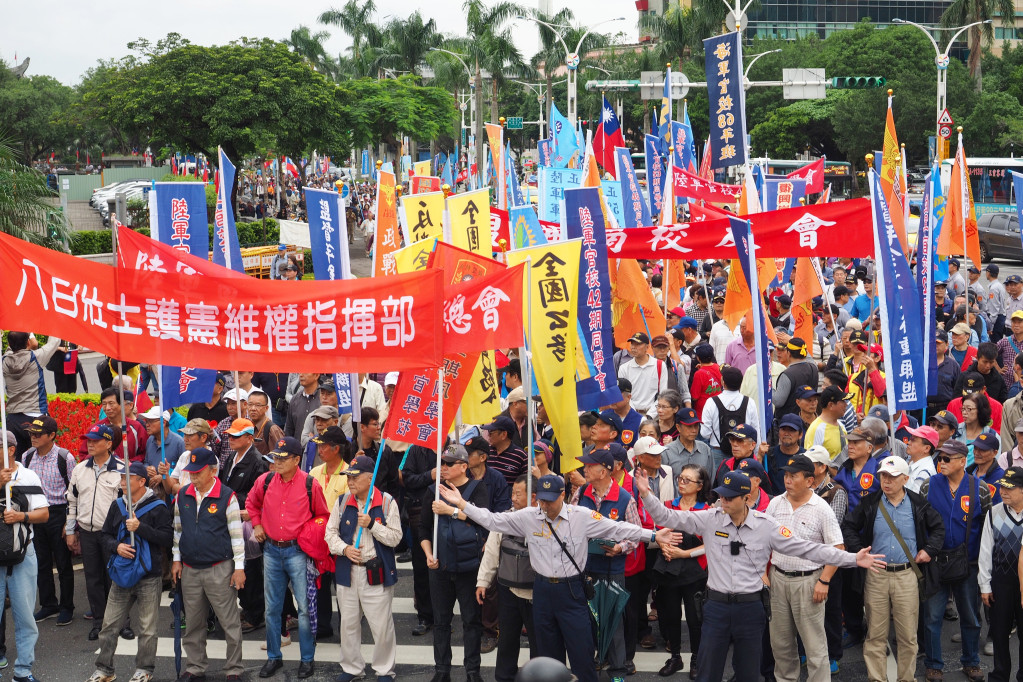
(996, 122)
(28, 207)
(28, 109)
(384, 110)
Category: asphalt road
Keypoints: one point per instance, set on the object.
(64, 653)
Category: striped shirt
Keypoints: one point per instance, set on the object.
(49, 472)
(234, 527)
(511, 463)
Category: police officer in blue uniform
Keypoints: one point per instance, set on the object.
(739, 542)
(557, 535)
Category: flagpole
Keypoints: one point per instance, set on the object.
(3, 423)
(527, 376)
(440, 451)
(881, 288)
(237, 397)
(120, 401)
(159, 396)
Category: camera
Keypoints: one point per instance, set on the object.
(734, 545)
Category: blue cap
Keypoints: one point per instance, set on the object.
(100, 432)
(953, 261)
(602, 457)
(611, 418)
(619, 454)
(282, 247)
(687, 416)
(549, 487)
(734, 484)
(1014, 279)
(805, 391)
(986, 441)
(288, 446)
(199, 459)
(138, 469)
(502, 423)
(752, 467)
(791, 421)
(687, 323)
(742, 431)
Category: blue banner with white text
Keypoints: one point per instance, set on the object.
(723, 55)
(182, 221)
(637, 212)
(654, 174)
(226, 249)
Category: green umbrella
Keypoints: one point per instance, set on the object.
(607, 606)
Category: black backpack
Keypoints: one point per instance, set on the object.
(728, 420)
(15, 538)
(61, 463)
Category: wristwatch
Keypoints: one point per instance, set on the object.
(454, 514)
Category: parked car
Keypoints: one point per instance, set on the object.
(999, 236)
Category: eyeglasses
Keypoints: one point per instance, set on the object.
(683, 479)
(945, 459)
(258, 405)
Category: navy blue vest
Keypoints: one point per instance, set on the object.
(459, 542)
(613, 507)
(346, 530)
(205, 537)
(953, 511)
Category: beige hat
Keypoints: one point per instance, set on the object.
(647, 445)
(197, 425)
(896, 466)
(818, 454)
(961, 328)
(516, 395)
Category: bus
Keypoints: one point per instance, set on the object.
(990, 181)
(836, 173)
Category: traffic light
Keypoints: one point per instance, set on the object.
(857, 82)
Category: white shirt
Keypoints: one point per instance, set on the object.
(731, 401)
(720, 336)
(373, 395)
(645, 384)
(814, 520)
(27, 477)
(920, 471)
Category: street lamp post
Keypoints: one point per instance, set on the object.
(538, 91)
(745, 74)
(474, 120)
(941, 60)
(572, 59)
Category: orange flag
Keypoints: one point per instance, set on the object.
(807, 286)
(892, 176)
(676, 281)
(960, 223)
(633, 307)
(749, 203)
(738, 300)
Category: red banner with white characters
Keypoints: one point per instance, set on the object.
(223, 321)
(699, 214)
(694, 187)
(138, 252)
(420, 184)
(838, 229)
(484, 313)
(813, 173)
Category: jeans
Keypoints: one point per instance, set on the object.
(967, 598)
(281, 565)
(146, 596)
(445, 588)
(51, 550)
(20, 586)
(148, 374)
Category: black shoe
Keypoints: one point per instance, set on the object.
(693, 673)
(630, 668)
(189, 677)
(64, 617)
(94, 634)
(404, 557)
(324, 634)
(306, 669)
(421, 629)
(271, 666)
(441, 677)
(46, 612)
(673, 665)
(127, 633)
(473, 676)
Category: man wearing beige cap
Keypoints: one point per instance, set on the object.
(196, 434)
(961, 350)
(517, 411)
(900, 525)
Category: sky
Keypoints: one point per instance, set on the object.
(65, 42)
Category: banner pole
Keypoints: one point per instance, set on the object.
(440, 450)
(665, 282)
(369, 495)
(527, 376)
(163, 440)
(238, 397)
(124, 442)
(3, 423)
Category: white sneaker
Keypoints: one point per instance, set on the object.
(100, 676)
(141, 676)
(285, 641)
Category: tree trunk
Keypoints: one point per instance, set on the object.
(976, 70)
(493, 100)
(478, 96)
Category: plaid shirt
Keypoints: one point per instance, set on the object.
(813, 520)
(49, 474)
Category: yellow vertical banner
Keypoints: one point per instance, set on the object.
(482, 401)
(414, 257)
(388, 238)
(469, 214)
(550, 309)
(421, 168)
(424, 216)
(495, 135)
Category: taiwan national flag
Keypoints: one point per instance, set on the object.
(290, 167)
(609, 136)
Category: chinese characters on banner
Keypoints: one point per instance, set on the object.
(469, 213)
(181, 219)
(584, 220)
(484, 312)
(812, 174)
(414, 257)
(841, 228)
(421, 184)
(139, 252)
(681, 144)
(387, 239)
(424, 216)
(495, 136)
(552, 185)
(783, 193)
(635, 209)
(900, 314)
(654, 174)
(727, 96)
(612, 192)
(552, 329)
(694, 187)
(222, 321)
(545, 151)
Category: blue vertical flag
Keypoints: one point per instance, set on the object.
(782, 192)
(226, 249)
(654, 174)
(584, 218)
(545, 152)
(938, 215)
(447, 177)
(925, 286)
(612, 190)
(743, 236)
(664, 120)
(512, 179)
(1017, 184)
(180, 221)
(682, 146)
(900, 311)
(365, 162)
(723, 56)
(328, 238)
(692, 140)
(637, 211)
(525, 227)
(566, 145)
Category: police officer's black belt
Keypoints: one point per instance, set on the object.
(732, 597)
(796, 574)
(283, 544)
(895, 568)
(555, 581)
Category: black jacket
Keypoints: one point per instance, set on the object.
(416, 476)
(156, 527)
(993, 382)
(858, 531)
(244, 473)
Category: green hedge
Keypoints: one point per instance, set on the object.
(87, 242)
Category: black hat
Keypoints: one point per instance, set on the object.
(502, 423)
(831, 394)
(639, 337)
(1012, 478)
(784, 300)
(604, 458)
(704, 352)
(941, 335)
(955, 448)
(620, 455)
(799, 463)
(945, 417)
(332, 435)
(288, 447)
(973, 382)
(360, 465)
(986, 441)
(625, 386)
(42, 424)
(478, 444)
(138, 469)
(992, 268)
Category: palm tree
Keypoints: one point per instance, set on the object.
(551, 51)
(355, 19)
(27, 207)
(962, 12)
(310, 46)
(407, 42)
(675, 33)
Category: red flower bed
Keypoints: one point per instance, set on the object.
(74, 415)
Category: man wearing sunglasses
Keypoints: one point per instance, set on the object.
(739, 542)
(956, 496)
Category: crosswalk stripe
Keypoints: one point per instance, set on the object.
(330, 652)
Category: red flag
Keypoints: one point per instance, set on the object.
(609, 136)
(807, 286)
(813, 173)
